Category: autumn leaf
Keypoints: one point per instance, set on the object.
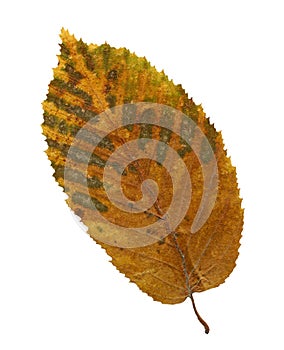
(144, 169)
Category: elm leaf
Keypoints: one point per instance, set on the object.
(144, 169)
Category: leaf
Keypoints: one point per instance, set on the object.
(144, 170)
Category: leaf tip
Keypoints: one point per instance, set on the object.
(64, 32)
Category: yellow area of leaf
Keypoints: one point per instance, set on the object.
(90, 79)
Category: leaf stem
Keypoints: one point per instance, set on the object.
(200, 319)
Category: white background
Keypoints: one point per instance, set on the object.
(58, 290)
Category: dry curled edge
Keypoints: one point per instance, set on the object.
(168, 211)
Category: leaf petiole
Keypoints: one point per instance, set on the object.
(200, 319)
